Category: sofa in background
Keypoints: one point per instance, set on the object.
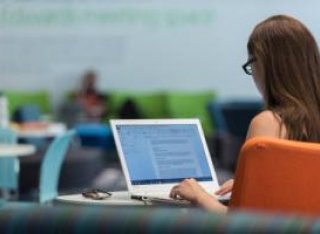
(231, 119)
(191, 105)
(148, 105)
(166, 104)
(169, 104)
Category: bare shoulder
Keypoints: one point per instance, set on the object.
(266, 123)
(266, 117)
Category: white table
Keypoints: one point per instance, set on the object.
(117, 198)
(52, 130)
(16, 150)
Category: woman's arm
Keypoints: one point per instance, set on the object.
(210, 203)
(225, 188)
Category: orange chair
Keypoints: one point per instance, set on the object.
(279, 176)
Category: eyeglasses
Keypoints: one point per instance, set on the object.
(247, 67)
(96, 194)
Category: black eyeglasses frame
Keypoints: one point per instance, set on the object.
(247, 66)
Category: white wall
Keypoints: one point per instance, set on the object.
(135, 44)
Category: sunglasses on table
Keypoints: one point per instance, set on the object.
(96, 194)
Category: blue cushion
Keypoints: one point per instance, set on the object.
(27, 113)
(95, 135)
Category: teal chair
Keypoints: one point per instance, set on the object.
(8, 166)
(49, 173)
(51, 167)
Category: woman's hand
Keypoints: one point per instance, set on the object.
(188, 189)
(225, 188)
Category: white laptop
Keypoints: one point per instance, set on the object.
(157, 154)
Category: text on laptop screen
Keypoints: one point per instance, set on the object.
(163, 153)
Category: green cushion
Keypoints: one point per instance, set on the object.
(191, 105)
(17, 99)
(151, 105)
(116, 100)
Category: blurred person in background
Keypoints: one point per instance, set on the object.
(86, 104)
(93, 103)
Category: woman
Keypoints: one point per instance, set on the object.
(284, 62)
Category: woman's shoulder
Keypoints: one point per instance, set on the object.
(266, 116)
(266, 123)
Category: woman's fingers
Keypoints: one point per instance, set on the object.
(222, 191)
(225, 188)
(174, 192)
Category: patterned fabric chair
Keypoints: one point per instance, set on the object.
(123, 219)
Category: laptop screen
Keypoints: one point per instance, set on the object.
(163, 153)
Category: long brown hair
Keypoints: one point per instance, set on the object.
(290, 61)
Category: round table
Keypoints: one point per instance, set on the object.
(117, 198)
(14, 151)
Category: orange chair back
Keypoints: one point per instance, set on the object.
(278, 175)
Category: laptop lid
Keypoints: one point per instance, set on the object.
(157, 154)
